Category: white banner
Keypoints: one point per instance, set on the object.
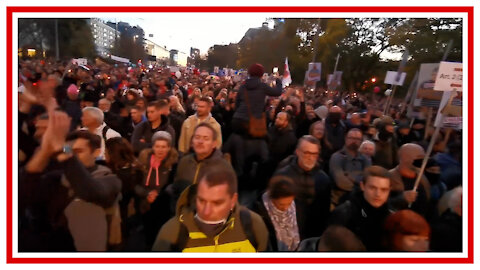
(449, 77)
(391, 78)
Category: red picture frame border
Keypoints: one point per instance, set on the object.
(284, 9)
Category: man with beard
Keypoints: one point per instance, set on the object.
(313, 184)
(347, 165)
(335, 128)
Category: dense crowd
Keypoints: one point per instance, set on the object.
(134, 158)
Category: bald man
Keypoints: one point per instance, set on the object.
(335, 128)
(404, 177)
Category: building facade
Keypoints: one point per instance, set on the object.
(104, 36)
(161, 54)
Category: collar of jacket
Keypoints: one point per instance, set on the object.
(294, 164)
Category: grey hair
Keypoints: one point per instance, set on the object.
(162, 135)
(95, 113)
(365, 142)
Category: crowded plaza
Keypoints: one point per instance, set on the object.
(155, 156)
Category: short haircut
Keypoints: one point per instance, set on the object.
(280, 187)
(206, 99)
(203, 124)
(220, 176)
(162, 136)
(312, 126)
(338, 238)
(136, 108)
(377, 171)
(289, 117)
(158, 104)
(95, 113)
(354, 130)
(94, 141)
(309, 139)
(106, 100)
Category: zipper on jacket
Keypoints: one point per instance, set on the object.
(196, 172)
(229, 226)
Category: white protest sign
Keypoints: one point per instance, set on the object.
(391, 78)
(314, 73)
(449, 77)
(174, 69)
(80, 61)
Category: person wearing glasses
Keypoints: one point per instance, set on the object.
(346, 167)
(312, 185)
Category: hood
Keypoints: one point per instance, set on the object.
(171, 159)
(252, 83)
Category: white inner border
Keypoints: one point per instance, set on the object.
(232, 17)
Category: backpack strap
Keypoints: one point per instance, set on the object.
(182, 238)
(104, 133)
(246, 220)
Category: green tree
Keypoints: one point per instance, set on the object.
(222, 56)
(74, 36)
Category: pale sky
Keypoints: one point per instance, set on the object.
(181, 31)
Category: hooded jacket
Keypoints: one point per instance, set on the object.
(182, 233)
(256, 91)
(144, 131)
(190, 169)
(165, 171)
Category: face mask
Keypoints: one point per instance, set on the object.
(334, 117)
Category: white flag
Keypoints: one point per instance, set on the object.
(287, 79)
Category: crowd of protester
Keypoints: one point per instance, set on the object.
(120, 158)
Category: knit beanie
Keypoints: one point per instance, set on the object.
(256, 70)
(72, 89)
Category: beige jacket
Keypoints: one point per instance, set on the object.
(189, 126)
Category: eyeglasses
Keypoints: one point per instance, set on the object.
(312, 154)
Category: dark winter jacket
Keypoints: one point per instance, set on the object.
(256, 91)
(363, 220)
(313, 193)
(144, 131)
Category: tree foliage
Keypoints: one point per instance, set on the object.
(75, 38)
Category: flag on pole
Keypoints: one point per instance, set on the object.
(287, 79)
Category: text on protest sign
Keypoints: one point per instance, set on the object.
(449, 77)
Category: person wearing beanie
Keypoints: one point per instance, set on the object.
(256, 70)
(250, 101)
(159, 163)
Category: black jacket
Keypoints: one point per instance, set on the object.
(256, 91)
(281, 143)
(144, 131)
(313, 194)
(260, 209)
(362, 219)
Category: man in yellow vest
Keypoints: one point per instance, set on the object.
(212, 221)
